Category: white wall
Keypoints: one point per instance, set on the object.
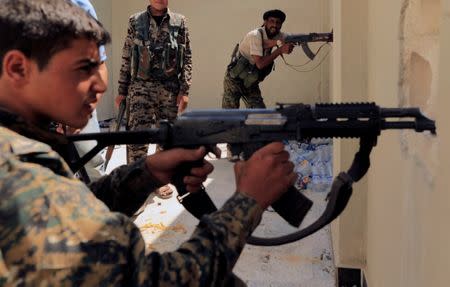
(105, 109)
(349, 84)
(405, 228)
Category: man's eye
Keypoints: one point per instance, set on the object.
(87, 68)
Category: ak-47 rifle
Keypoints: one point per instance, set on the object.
(253, 128)
(110, 149)
(303, 40)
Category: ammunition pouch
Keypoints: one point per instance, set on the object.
(158, 61)
(250, 75)
(172, 61)
(141, 56)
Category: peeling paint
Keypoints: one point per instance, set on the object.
(419, 63)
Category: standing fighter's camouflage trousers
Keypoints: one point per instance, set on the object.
(234, 90)
(148, 102)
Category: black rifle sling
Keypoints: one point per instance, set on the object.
(75, 156)
(338, 197)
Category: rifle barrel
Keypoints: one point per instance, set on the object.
(311, 37)
(418, 121)
(400, 112)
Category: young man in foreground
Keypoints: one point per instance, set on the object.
(55, 230)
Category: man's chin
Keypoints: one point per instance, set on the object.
(271, 34)
(79, 124)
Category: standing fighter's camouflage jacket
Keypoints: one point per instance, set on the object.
(55, 232)
(159, 36)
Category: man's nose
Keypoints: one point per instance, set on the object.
(100, 81)
(101, 85)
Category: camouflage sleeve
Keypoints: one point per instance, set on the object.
(126, 188)
(125, 69)
(208, 257)
(186, 73)
(54, 230)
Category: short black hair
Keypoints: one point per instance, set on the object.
(275, 13)
(41, 28)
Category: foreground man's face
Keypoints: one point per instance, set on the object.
(66, 90)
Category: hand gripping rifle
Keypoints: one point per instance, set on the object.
(253, 128)
(303, 40)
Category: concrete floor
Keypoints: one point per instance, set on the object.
(165, 224)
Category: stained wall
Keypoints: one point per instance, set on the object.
(404, 234)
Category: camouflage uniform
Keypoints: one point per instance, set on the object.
(234, 91)
(54, 230)
(153, 98)
(235, 86)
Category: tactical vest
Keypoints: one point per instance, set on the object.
(151, 60)
(241, 68)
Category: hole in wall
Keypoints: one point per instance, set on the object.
(420, 81)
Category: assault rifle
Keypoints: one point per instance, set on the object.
(303, 40)
(252, 128)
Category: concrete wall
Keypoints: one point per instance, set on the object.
(215, 27)
(405, 231)
(349, 84)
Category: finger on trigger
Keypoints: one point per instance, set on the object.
(194, 180)
(206, 169)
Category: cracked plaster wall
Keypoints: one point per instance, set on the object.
(401, 226)
(419, 77)
(399, 60)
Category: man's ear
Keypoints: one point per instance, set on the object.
(16, 66)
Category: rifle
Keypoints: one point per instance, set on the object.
(253, 128)
(110, 149)
(303, 40)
